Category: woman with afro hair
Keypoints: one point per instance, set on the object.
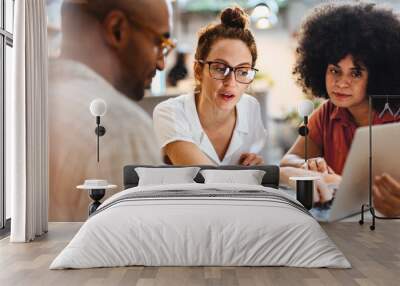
(346, 52)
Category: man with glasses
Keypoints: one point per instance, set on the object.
(111, 50)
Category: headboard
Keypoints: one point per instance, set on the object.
(270, 179)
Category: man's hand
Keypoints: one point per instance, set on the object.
(317, 164)
(387, 195)
(250, 159)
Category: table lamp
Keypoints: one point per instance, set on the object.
(305, 185)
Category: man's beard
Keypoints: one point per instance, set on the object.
(134, 91)
(137, 92)
(137, 89)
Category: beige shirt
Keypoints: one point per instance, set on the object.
(129, 137)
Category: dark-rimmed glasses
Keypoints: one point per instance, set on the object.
(221, 71)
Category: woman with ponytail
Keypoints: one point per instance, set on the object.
(218, 123)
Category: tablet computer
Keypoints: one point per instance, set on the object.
(353, 190)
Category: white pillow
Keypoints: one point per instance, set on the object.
(165, 176)
(248, 177)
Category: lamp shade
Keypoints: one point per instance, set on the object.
(98, 107)
(305, 108)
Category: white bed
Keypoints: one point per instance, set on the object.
(223, 225)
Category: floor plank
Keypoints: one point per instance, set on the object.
(374, 255)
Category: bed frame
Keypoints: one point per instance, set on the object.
(270, 179)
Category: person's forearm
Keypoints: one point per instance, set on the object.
(292, 160)
(186, 159)
(286, 172)
(186, 153)
(191, 161)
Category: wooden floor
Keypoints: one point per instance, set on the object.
(374, 255)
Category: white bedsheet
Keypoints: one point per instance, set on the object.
(200, 231)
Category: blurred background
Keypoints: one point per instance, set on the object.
(275, 24)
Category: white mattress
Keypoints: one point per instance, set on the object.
(190, 230)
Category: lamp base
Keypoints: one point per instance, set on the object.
(304, 192)
(96, 195)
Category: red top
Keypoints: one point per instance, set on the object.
(332, 128)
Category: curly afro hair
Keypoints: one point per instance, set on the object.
(370, 33)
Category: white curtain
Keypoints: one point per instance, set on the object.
(26, 124)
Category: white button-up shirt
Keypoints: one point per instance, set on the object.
(176, 119)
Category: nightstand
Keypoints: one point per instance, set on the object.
(97, 190)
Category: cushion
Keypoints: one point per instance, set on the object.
(248, 177)
(162, 176)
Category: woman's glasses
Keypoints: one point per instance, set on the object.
(221, 71)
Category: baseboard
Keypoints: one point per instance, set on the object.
(5, 231)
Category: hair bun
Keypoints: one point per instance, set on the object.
(234, 17)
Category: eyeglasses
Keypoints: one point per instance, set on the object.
(221, 71)
(164, 42)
